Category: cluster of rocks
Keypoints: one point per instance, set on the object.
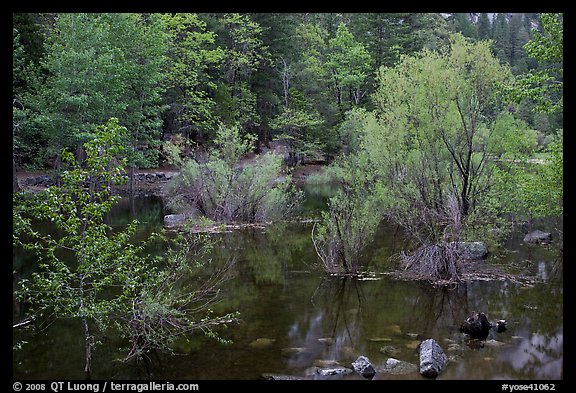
(145, 183)
(478, 250)
(432, 358)
(432, 361)
(153, 177)
(478, 326)
(39, 181)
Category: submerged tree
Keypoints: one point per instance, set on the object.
(102, 278)
(353, 215)
(425, 147)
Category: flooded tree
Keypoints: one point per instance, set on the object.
(101, 277)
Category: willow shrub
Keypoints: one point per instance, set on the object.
(353, 216)
(228, 188)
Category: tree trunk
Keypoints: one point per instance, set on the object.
(87, 343)
(15, 185)
(88, 348)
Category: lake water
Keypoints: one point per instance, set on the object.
(294, 317)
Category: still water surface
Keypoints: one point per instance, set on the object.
(294, 317)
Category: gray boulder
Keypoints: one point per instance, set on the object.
(336, 370)
(472, 250)
(432, 358)
(397, 367)
(363, 367)
(174, 220)
(538, 237)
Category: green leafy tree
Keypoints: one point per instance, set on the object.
(349, 63)
(193, 59)
(353, 216)
(434, 116)
(245, 52)
(512, 138)
(297, 131)
(311, 87)
(100, 65)
(273, 78)
(544, 85)
(442, 108)
(111, 282)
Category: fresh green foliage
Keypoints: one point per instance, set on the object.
(534, 188)
(186, 73)
(228, 189)
(111, 282)
(511, 138)
(193, 54)
(435, 113)
(527, 188)
(352, 218)
(543, 86)
(100, 66)
(349, 63)
(245, 54)
(298, 130)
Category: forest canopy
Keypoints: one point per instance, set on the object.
(285, 77)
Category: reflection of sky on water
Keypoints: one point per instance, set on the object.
(539, 355)
(282, 298)
(348, 313)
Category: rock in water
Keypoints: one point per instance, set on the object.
(174, 220)
(538, 237)
(363, 367)
(397, 367)
(500, 325)
(336, 370)
(476, 325)
(432, 358)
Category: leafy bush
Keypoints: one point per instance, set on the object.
(109, 282)
(352, 219)
(225, 189)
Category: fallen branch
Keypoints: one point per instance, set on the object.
(22, 324)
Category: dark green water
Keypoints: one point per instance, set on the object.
(293, 316)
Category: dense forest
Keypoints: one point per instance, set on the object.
(448, 126)
(176, 77)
